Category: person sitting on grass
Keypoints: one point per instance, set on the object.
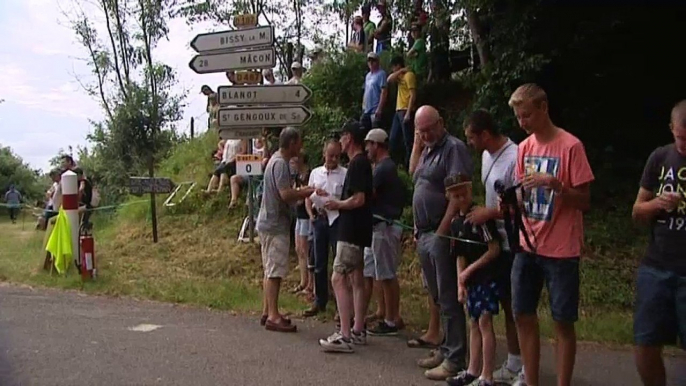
(219, 152)
(477, 286)
(238, 181)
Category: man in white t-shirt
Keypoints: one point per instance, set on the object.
(498, 160)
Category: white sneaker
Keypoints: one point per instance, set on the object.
(336, 343)
(520, 381)
(504, 375)
(358, 339)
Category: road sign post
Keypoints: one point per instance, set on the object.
(263, 116)
(207, 63)
(264, 95)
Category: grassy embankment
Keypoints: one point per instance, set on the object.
(198, 260)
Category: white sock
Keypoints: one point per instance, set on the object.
(389, 323)
(514, 363)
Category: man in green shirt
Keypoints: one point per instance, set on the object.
(369, 28)
(417, 55)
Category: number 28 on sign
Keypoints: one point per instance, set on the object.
(248, 165)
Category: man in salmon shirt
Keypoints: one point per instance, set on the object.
(555, 176)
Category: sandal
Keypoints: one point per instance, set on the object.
(420, 343)
(297, 289)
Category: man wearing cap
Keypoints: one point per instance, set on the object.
(354, 234)
(443, 155)
(382, 259)
(375, 94)
(297, 70)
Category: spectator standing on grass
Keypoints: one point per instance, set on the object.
(375, 94)
(478, 267)
(443, 155)
(660, 313)
(556, 178)
(498, 161)
(273, 225)
(369, 28)
(383, 257)
(358, 40)
(354, 234)
(329, 178)
(403, 125)
(13, 199)
(303, 227)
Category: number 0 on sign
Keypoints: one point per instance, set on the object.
(248, 165)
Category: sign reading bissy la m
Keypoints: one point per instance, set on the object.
(234, 39)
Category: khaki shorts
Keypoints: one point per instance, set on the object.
(275, 250)
(349, 257)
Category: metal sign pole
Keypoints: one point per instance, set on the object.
(251, 201)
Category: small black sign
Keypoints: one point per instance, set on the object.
(144, 185)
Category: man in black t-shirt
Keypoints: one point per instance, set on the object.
(354, 234)
(660, 307)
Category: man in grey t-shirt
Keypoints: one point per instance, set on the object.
(443, 155)
(13, 199)
(498, 160)
(273, 225)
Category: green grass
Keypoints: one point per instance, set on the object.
(197, 260)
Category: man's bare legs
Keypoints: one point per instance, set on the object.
(433, 332)
(359, 300)
(235, 182)
(302, 248)
(530, 344)
(565, 351)
(370, 289)
(272, 294)
(510, 329)
(390, 296)
(650, 365)
(344, 301)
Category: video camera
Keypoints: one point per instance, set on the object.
(514, 222)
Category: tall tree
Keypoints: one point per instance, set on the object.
(134, 90)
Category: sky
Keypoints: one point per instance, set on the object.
(45, 109)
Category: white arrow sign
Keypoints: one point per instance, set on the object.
(234, 39)
(267, 94)
(247, 133)
(267, 116)
(237, 60)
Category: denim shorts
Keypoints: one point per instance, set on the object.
(560, 276)
(660, 309)
(302, 227)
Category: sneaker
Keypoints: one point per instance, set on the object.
(336, 343)
(358, 339)
(383, 329)
(504, 375)
(520, 381)
(434, 359)
(441, 372)
(462, 379)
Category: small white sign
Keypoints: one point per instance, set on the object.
(248, 165)
(226, 133)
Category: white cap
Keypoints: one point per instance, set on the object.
(377, 135)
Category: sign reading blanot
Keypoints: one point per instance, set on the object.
(248, 165)
(263, 116)
(237, 60)
(274, 94)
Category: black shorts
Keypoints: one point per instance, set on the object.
(225, 168)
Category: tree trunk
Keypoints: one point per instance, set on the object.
(440, 42)
(153, 206)
(477, 31)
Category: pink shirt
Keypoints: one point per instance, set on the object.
(555, 229)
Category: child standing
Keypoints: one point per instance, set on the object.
(477, 266)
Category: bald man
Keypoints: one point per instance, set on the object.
(443, 155)
(660, 312)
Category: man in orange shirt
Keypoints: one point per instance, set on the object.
(555, 176)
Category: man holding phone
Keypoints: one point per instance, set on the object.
(660, 313)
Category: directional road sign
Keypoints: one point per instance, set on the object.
(237, 60)
(263, 95)
(234, 39)
(263, 116)
(247, 133)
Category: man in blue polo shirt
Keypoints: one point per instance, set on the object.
(375, 94)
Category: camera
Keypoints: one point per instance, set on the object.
(513, 221)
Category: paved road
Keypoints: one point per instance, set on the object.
(49, 337)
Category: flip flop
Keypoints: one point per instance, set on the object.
(420, 343)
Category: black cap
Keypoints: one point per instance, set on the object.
(205, 87)
(355, 129)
